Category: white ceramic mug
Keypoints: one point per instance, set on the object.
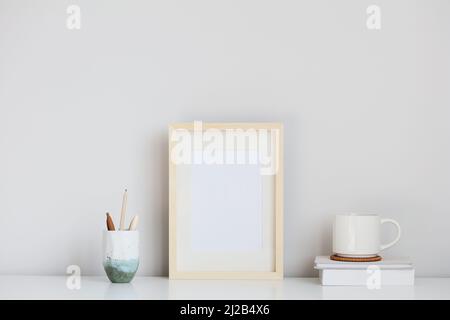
(358, 235)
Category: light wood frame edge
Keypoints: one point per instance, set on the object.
(279, 207)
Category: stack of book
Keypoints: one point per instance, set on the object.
(386, 272)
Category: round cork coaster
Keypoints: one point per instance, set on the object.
(355, 259)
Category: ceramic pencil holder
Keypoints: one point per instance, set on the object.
(120, 255)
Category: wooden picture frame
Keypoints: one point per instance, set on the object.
(260, 254)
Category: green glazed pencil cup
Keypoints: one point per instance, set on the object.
(120, 255)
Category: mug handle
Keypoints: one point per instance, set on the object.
(399, 233)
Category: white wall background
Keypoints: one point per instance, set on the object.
(84, 114)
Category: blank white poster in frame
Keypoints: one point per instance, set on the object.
(226, 201)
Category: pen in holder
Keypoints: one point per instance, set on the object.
(120, 255)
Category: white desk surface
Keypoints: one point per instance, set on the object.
(54, 287)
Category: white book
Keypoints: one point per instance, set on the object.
(367, 277)
(324, 262)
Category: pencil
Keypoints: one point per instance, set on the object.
(124, 210)
(134, 223)
(109, 223)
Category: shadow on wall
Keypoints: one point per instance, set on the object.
(155, 259)
(326, 235)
